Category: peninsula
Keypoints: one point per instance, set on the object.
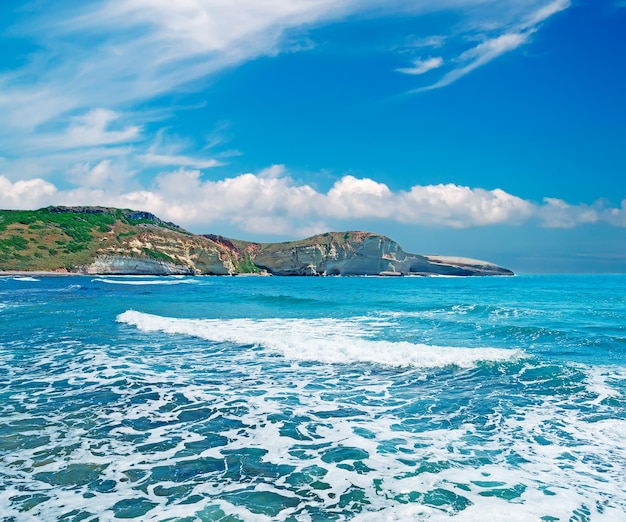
(102, 240)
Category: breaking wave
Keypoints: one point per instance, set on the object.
(324, 340)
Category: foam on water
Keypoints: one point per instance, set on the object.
(26, 279)
(157, 444)
(324, 340)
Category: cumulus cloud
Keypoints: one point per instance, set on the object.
(459, 207)
(560, 214)
(272, 202)
(30, 194)
(359, 198)
(557, 213)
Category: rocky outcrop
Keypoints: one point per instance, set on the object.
(189, 253)
(462, 266)
(359, 253)
(120, 265)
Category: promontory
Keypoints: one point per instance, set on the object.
(102, 240)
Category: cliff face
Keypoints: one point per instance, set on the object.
(115, 265)
(97, 240)
(360, 253)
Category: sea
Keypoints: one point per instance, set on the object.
(313, 398)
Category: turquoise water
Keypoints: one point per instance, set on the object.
(312, 399)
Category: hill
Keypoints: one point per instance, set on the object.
(102, 240)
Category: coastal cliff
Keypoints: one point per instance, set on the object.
(100, 240)
(362, 253)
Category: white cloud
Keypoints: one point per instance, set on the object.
(433, 41)
(351, 197)
(546, 11)
(271, 202)
(30, 194)
(168, 151)
(556, 213)
(500, 35)
(178, 160)
(103, 174)
(89, 130)
(92, 129)
(480, 55)
(422, 66)
(459, 207)
(616, 216)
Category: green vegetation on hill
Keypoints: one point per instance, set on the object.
(244, 264)
(55, 238)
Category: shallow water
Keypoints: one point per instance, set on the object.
(313, 398)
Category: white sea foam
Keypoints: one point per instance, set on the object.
(26, 278)
(143, 428)
(598, 382)
(160, 281)
(325, 340)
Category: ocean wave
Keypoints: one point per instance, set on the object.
(323, 340)
(487, 312)
(29, 279)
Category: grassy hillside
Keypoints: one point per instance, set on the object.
(55, 238)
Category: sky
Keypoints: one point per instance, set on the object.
(480, 128)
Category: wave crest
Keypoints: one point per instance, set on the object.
(324, 340)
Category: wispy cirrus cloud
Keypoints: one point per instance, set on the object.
(87, 130)
(480, 55)
(105, 53)
(271, 202)
(420, 66)
(498, 32)
(169, 160)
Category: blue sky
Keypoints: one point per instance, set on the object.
(479, 128)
